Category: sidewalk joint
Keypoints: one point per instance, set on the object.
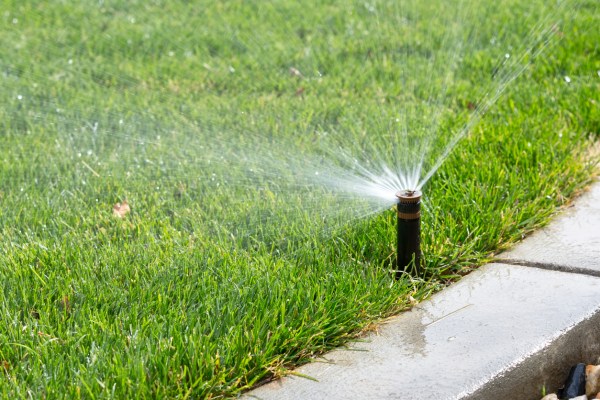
(549, 267)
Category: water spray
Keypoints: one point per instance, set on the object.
(408, 249)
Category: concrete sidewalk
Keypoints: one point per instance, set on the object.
(502, 332)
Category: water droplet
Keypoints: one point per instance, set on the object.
(15, 21)
(507, 56)
(70, 61)
(90, 152)
(317, 173)
(370, 7)
(567, 79)
(120, 122)
(19, 97)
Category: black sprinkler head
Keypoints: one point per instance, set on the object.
(408, 250)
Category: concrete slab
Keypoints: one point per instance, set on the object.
(569, 243)
(462, 342)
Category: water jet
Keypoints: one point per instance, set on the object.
(408, 245)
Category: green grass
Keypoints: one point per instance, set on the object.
(232, 267)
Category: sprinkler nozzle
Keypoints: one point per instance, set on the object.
(408, 250)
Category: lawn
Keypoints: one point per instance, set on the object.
(233, 131)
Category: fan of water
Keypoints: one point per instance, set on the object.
(249, 110)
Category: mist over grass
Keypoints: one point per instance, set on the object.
(237, 133)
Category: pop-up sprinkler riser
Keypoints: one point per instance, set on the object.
(408, 248)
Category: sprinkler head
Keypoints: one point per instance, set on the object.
(409, 203)
(408, 250)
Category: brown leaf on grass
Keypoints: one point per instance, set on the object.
(5, 365)
(65, 305)
(121, 209)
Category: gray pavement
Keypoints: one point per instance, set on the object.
(570, 243)
(502, 332)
